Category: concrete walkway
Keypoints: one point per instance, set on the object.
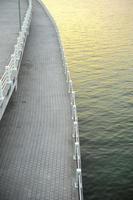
(9, 28)
(36, 130)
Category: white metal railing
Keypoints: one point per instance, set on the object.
(75, 134)
(77, 155)
(8, 81)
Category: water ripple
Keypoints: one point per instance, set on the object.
(98, 40)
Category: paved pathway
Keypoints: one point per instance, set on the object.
(9, 28)
(35, 132)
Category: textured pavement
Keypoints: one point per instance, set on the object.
(9, 28)
(35, 133)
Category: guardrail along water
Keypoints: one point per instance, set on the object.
(53, 118)
(8, 81)
(75, 135)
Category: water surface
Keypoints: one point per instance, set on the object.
(98, 41)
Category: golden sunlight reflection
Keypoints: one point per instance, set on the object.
(98, 28)
(98, 39)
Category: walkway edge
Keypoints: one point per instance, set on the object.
(75, 134)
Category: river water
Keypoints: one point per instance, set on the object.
(98, 41)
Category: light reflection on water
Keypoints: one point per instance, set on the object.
(98, 40)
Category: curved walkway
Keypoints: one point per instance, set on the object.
(36, 130)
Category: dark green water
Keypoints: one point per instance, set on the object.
(98, 40)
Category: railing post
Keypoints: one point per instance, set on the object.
(14, 69)
(8, 71)
(70, 86)
(19, 14)
(16, 52)
(13, 57)
(16, 83)
(78, 174)
(1, 92)
(73, 98)
(74, 112)
(21, 40)
(75, 129)
(19, 44)
(66, 67)
(76, 146)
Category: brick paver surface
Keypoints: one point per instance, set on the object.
(35, 132)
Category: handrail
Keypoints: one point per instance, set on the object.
(8, 81)
(75, 135)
